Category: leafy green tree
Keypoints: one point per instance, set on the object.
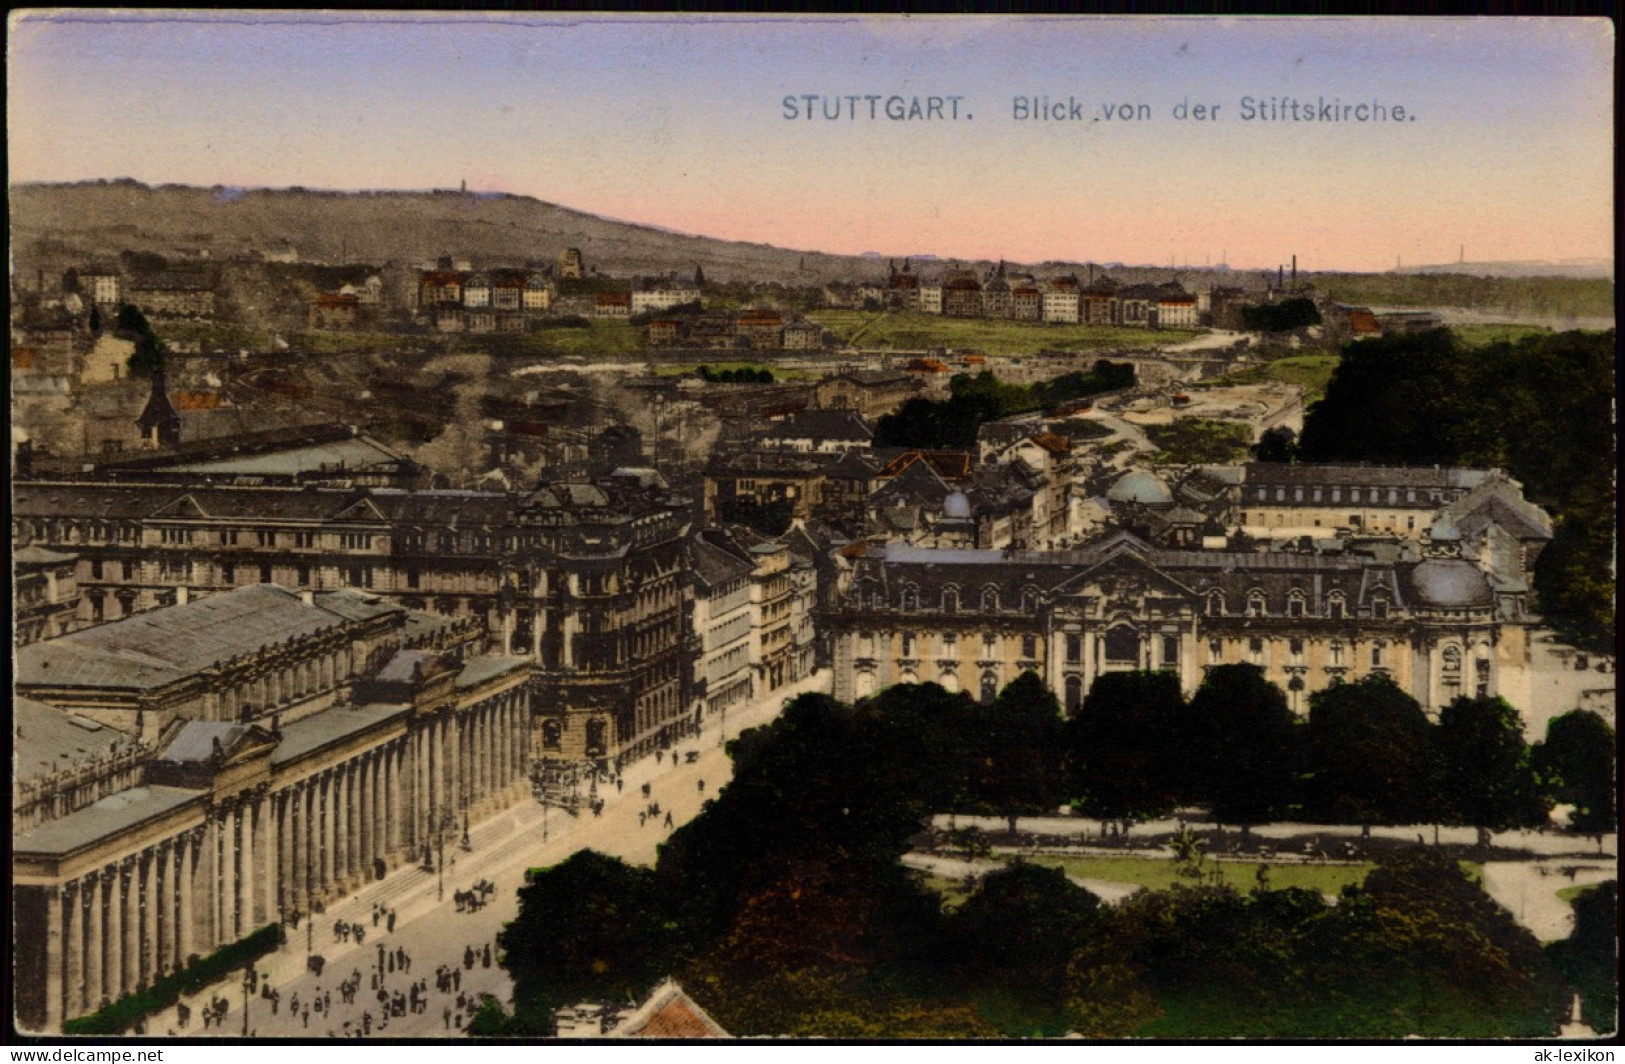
(1484, 776)
(1577, 763)
(1280, 317)
(1279, 444)
(1587, 957)
(150, 352)
(1453, 963)
(592, 928)
(1014, 939)
(1130, 759)
(1248, 744)
(1014, 746)
(1368, 754)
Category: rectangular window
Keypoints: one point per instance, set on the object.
(355, 540)
(228, 573)
(1170, 650)
(96, 569)
(1074, 649)
(228, 537)
(1029, 646)
(266, 539)
(304, 540)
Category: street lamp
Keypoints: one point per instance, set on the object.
(248, 980)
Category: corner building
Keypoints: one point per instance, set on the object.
(196, 773)
(974, 620)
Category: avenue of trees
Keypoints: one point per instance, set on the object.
(1540, 408)
(952, 422)
(783, 908)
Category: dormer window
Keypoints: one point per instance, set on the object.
(1379, 608)
(1255, 604)
(950, 600)
(911, 598)
(990, 598)
(1215, 604)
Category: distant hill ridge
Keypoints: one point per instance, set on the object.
(59, 224)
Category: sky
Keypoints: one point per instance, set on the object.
(1505, 147)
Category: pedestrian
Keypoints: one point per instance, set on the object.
(392, 921)
(668, 818)
(305, 1016)
(485, 961)
(468, 956)
(447, 1016)
(456, 978)
(702, 786)
(659, 754)
(375, 914)
(619, 784)
(643, 818)
(327, 999)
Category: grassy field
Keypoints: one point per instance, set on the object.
(1161, 873)
(1310, 372)
(912, 331)
(1483, 335)
(1190, 440)
(778, 373)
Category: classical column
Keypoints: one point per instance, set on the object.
(146, 870)
(188, 929)
(394, 768)
(163, 904)
(73, 990)
(341, 834)
(228, 877)
(329, 830)
(245, 867)
(352, 805)
(56, 911)
(130, 874)
(95, 943)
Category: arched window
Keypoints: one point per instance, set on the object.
(949, 681)
(911, 597)
(1255, 603)
(990, 686)
(990, 598)
(950, 600)
(1294, 603)
(1029, 601)
(1215, 603)
(1451, 668)
(1122, 644)
(1376, 655)
(596, 735)
(1335, 607)
(552, 734)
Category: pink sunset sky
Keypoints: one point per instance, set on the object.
(1506, 147)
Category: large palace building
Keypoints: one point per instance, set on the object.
(192, 774)
(1438, 623)
(584, 577)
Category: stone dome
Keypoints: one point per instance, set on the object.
(1451, 583)
(956, 505)
(1142, 488)
(1444, 530)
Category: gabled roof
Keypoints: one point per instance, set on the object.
(669, 1013)
(822, 425)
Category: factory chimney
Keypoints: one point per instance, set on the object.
(1294, 271)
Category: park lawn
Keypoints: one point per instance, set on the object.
(1482, 335)
(1309, 372)
(1571, 893)
(914, 331)
(1160, 873)
(607, 339)
(778, 373)
(1194, 440)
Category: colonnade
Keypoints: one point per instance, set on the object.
(277, 849)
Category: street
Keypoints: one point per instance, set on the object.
(434, 934)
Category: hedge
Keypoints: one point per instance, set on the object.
(121, 1015)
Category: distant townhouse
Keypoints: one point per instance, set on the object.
(820, 431)
(613, 305)
(962, 297)
(335, 311)
(1136, 304)
(1026, 303)
(1061, 300)
(1098, 302)
(663, 298)
(762, 328)
(101, 285)
(872, 393)
(45, 594)
(665, 332)
(1176, 308)
(930, 297)
(174, 295)
(803, 336)
(721, 572)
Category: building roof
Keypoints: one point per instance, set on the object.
(46, 739)
(196, 741)
(669, 1013)
(354, 453)
(479, 669)
(36, 555)
(305, 736)
(822, 425)
(714, 566)
(1140, 487)
(160, 647)
(113, 814)
(1449, 583)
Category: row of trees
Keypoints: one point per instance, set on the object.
(1541, 408)
(784, 910)
(953, 422)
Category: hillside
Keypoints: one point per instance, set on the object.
(54, 226)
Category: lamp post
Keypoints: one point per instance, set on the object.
(248, 980)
